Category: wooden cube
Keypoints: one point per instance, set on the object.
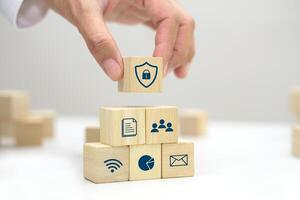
(178, 160)
(103, 163)
(13, 104)
(29, 131)
(295, 100)
(92, 134)
(296, 141)
(121, 126)
(49, 121)
(142, 74)
(193, 122)
(145, 162)
(6, 128)
(161, 124)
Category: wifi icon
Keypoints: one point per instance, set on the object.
(113, 164)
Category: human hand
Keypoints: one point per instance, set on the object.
(174, 40)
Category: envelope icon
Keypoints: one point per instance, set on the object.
(178, 160)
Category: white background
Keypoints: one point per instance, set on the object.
(247, 58)
(235, 161)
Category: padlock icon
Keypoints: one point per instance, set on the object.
(146, 75)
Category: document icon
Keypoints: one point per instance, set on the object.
(129, 126)
(178, 160)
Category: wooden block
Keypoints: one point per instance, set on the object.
(92, 134)
(6, 128)
(142, 74)
(121, 126)
(145, 162)
(103, 163)
(161, 124)
(13, 104)
(29, 131)
(295, 100)
(49, 121)
(193, 122)
(178, 160)
(296, 141)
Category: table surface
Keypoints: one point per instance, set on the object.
(234, 161)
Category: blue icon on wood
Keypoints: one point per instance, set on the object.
(113, 165)
(167, 128)
(129, 127)
(146, 74)
(146, 162)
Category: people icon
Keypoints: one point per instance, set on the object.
(162, 127)
(161, 124)
(154, 128)
(169, 127)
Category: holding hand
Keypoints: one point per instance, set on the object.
(174, 28)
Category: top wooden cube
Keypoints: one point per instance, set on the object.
(13, 105)
(142, 74)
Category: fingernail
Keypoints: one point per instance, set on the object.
(112, 68)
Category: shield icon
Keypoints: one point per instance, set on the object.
(146, 74)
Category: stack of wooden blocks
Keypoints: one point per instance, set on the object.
(295, 108)
(137, 143)
(27, 128)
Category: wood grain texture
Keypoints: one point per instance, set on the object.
(92, 134)
(96, 170)
(193, 122)
(14, 105)
(29, 131)
(174, 159)
(130, 82)
(154, 132)
(112, 121)
(135, 153)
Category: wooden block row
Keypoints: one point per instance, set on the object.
(138, 125)
(92, 134)
(296, 141)
(193, 122)
(103, 163)
(295, 100)
(142, 74)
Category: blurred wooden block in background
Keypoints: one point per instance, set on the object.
(14, 105)
(193, 122)
(161, 124)
(178, 160)
(145, 162)
(29, 131)
(92, 134)
(296, 141)
(142, 74)
(121, 126)
(6, 128)
(49, 121)
(103, 163)
(295, 100)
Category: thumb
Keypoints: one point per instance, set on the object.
(92, 27)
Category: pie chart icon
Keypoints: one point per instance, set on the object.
(146, 162)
